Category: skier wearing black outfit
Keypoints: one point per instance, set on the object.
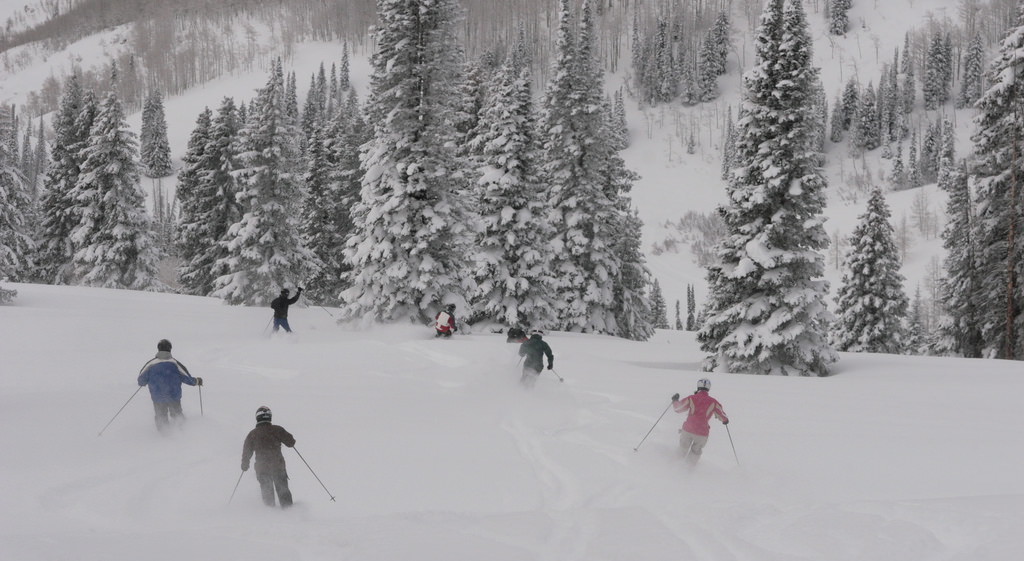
(280, 307)
(265, 441)
(534, 350)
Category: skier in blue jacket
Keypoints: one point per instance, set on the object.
(164, 375)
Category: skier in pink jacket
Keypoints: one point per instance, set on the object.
(699, 408)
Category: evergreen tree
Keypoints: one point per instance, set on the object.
(867, 133)
(839, 19)
(114, 240)
(155, 150)
(898, 177)
(720, 38)
(412, 234)
(264, 249)
(679, 317)
(960, 330)
(708, 69)
(913, 169)
(871, 303)
(515, 286)
(836, 122)
(194, 237)
(973, 68)
(658, 309)
(997, 167)
(58, 208)
(935, 89)
(586, 180)
(766, 309)
(631, 301)
(851, 103)
(691, 309)
(16, 243)
(728, 145)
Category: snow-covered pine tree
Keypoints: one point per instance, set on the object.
(264, 249)
(114, 240)
(720, 36)
(659, 310)
(515, 285)
(766, 309)
(913, 168)
(632, 305)
(998, 167)
(412, 234)
(850, 104)
(839, 18)
(155, 150)
(58, 208)
(585, 181)
(935, 89)
(867, 133)
(898, 176)
(835, 123)
(691, 309)
(871, 305)
(16, 243)
(973, 70)
(707, 69)
(679, 317)
(193, 233)
(959, 332)
(728, 145)
(620, 127)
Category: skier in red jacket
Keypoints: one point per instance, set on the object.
(699, 408)
(444, 322)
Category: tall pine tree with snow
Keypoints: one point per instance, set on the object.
(632, 303)
(659, 309)
(155, 151)
(264, 249)
(766, 309)
(114, 240)
(871, 304)
(959, 331)
(971, 82)
(512, 272)
(839, 18)
(16, 243)
(58, 208)
(586, 181)
(412, 234)
(998, 168)
(691, 309)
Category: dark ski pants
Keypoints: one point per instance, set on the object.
(166, 411)
(270, 481)
(529, 377)
(281, 322)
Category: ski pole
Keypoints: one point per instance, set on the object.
(325, 309)
(560, 379)
(118, 412)
(727, 431)
(236, 487)
(313, 472)
(652, 428)
(200, 400)
(268, 325)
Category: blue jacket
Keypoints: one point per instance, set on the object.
(164, 376)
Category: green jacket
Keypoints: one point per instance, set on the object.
(534, 350)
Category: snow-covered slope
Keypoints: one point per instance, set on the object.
(433, 451)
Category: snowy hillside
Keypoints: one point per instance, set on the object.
(433, 451)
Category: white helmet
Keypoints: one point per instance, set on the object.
(703, 384)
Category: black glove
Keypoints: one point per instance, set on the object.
(301, 289)
(245, 466)
(675, 397)
(199, 381)
(550, 366)
(725, 422)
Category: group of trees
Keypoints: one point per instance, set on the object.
(557, 244)
(669, 65)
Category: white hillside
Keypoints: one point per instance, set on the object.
(433, 451)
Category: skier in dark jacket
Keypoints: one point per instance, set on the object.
(265, 441)
(164, 375)
(534, 350)
(280, 307)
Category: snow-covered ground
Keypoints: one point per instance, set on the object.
(433, 451)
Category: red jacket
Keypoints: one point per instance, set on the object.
(700, 407)
(444, 322)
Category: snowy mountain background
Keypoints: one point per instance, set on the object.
(431, 448)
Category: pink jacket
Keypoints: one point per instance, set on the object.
(700, 407)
